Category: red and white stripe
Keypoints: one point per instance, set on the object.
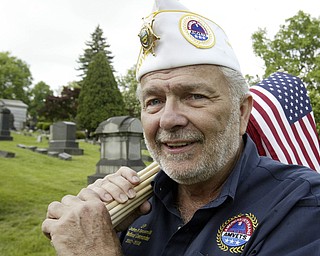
(293, 144)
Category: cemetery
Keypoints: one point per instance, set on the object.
(18, 109)
(37, 169)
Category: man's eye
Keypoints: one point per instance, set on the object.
(196, 96)
(153, 102)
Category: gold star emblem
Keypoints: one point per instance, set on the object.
(148, 38)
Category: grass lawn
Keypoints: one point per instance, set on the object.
(28, 183)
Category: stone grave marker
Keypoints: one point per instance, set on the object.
(120, 139)
(63, 138)
(5, 124)
(7, 154)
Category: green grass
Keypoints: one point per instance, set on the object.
(28, 183)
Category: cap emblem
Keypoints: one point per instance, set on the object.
(148, 38)
(196, 31)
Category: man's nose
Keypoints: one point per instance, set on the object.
(173, 116)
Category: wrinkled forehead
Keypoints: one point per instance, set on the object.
(189, 78)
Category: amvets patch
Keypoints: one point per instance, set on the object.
(234, 234)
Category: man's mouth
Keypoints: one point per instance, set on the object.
(177, 144)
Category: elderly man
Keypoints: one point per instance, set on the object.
(214, 194)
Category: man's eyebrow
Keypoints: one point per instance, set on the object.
(151, 90)
(187, 87)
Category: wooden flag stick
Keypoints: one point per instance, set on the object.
(120, 211)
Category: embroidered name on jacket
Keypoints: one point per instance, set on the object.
(136, 236)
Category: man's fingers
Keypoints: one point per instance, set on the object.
(104, 195)
(70, 200)
(87, 194)
(129, 175)
(47, 226)
(118, 186)
(55, 210)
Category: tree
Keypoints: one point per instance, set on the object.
(15, 78)
(295, 48)
(97, 44)
(63, 107)
(100, 97)
(38, 95)
(128, 85)
(314, 94)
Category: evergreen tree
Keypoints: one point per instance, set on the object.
(97, 44)
(99, 97)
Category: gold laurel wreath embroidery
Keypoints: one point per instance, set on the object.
(238, 249)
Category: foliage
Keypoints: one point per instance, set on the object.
(38, 95)
(63, 107)
(314, 94)
(295, 48)
(15, 78)
(100, 97)
(45, 126)
(80, 135)
(251, 80)
(27, 189)
(128, 86)
(97, 44)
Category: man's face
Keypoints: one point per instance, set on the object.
(190, 125)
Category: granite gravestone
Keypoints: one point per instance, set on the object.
(120, 139)
(63, 139)
(5, 124)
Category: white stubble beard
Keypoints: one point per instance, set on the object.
(215, 154)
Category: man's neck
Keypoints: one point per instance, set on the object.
(192, 197)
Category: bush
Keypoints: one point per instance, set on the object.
(45, 126)
(80, 135)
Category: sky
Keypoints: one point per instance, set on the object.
(50, 35)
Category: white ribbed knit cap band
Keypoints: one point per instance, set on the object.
(172, 36)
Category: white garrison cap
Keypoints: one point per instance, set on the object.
(172, 36)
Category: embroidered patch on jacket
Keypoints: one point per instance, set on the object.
(196, 31)
(234, 234)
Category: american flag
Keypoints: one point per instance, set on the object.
(282, 123)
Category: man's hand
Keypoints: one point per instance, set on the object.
(81, 225)
(119, 187)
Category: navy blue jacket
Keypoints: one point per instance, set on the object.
(265, 208)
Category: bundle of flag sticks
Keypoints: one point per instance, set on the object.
(118, 211)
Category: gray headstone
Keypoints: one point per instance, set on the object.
(65, 156)
(42, 150)
(5, 124)
(7, 154)
(63, 138)
(120, 139)
(32, 148)
(53, 153)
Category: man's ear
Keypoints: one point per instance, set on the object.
(245, 111)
